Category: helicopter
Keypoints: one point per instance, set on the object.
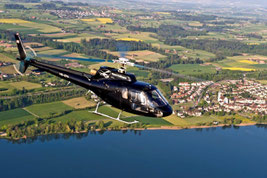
(114, 86)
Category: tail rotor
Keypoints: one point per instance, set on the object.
(24, 59)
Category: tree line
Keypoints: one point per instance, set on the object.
(95, 47)
(8, 103)
(168, 31)
(14, 6)
(40, 126)
(227, 48)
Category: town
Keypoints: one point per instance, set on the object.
(229, 96)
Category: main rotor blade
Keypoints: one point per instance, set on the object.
(75, 58)
(170, 73)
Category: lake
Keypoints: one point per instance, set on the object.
(213, 152)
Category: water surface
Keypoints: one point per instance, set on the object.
(213, 152)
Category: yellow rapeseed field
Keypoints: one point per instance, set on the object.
(89, 20)
(238, 68)
(248, 62)
(253, 43)
(13, 21)
(163, 13)
(102, 20)
(128, 39)
(105, 20)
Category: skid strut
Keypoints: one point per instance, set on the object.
(105, 115)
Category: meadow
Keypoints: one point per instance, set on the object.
(139, 73)
(192, 69)
(149, 121)
(24, 84)
(182, 51)
(8, 70)
(242, 63)
(5, 87)
(86, 115)
(142, 55)
(9, 86)
(35, 26)
(48, 109)
(79, 103)
(193, 121)
(83, 115)
(79, 37)
(5, 58)
(14, 116)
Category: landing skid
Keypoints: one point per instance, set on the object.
(113, 118)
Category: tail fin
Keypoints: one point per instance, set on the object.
(23, 64)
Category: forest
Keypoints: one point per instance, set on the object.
(227, 48)
(168, 31)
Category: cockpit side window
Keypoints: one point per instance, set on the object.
(125, 93)
(142, 98)
(156, 98)
(133, 95)
(137, 96)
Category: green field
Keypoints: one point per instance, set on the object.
(59, 52)
(182, 51)
(14, 116)
(6, 87)
(202, 119)
(150, 121)
(79, 37)
(5, 58)
(142, 36)
(83, 115)
(26, 85)
(142, 55)
(193, 69)
(260, 66)
(48, 109)
(21, 25)
(264, 82)
(242, 62)
(173, 119)
(139, 73)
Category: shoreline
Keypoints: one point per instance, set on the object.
(3, 135)
(198, 127)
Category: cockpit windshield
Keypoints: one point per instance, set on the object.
(156, 98)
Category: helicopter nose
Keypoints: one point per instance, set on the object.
(166, 110)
